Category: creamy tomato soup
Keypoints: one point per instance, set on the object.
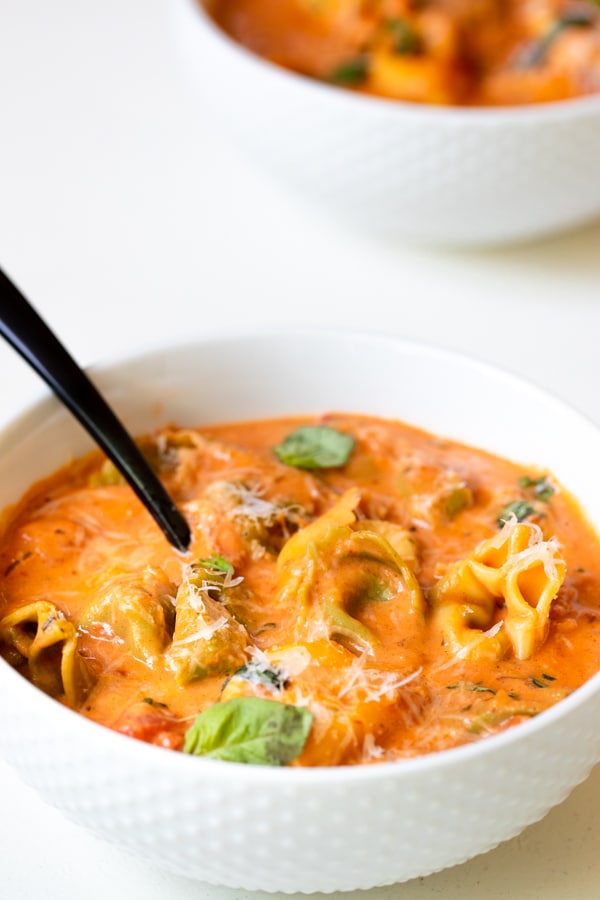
(467, 52)
(356, 591)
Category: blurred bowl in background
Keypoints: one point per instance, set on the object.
(436, 174)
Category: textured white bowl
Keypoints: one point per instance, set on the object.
(433, 174)
(306, 829)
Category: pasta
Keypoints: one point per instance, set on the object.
(39, 634)
(516, 567)
(357, 591)
(489, 52)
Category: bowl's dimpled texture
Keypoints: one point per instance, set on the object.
(293, 830)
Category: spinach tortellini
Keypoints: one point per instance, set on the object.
(208, 638)
(39, 637)
(336, 566)
(138, 608)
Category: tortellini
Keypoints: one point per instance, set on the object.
(208, 639)
(334, 567)
(40, 636)
(137, 607)
(517, 568)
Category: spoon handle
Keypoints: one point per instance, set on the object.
(26, 331)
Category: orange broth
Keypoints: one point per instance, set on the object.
(334, 615)
(456, 52)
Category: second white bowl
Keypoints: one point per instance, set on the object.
(436, 174)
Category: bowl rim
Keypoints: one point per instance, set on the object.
(550, 111)
(47, 405)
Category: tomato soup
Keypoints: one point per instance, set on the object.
(458, 52)
(356, 591)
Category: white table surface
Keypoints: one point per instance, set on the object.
(128, 220)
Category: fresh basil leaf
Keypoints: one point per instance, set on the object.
(315, 447)
(250, 730)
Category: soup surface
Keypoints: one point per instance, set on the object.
(356, 590)
(482, 52)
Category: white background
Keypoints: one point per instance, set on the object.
(128, 220)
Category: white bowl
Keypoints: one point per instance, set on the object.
(435, 174)
(296, 829)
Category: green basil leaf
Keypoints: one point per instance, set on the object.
(315, 447)
(250, 730)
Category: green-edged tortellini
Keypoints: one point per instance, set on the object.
(208, 639)
(39, 637)
(336, 566)
(138, 608)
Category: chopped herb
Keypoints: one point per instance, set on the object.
(470, 686)
(518, 508)
(217, 563)
(542, 488)
(151, 702)
(406, 41)
(535, 55)
(271, 677)
(315, 447)
(250, 730)
(513, 695)
(351, 72)
(548, 677)
(537, 682)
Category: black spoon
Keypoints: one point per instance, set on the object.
(26, 331)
